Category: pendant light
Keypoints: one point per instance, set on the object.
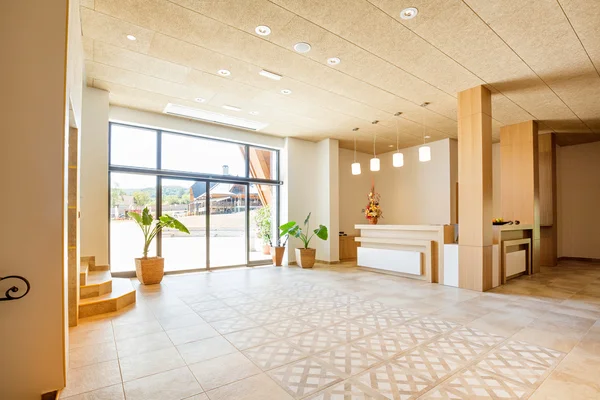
(355, 165)
(375, 164)
(397, 158)
(424, 151)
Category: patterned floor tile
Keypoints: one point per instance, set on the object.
(233, 325)
(351, 311)
(348, 390)
(434, 366)
(395, 382)
(253, 308)
(218, 314)
(207, 305)
(461, 349)
(372, 306)
(315, 341)
(322, 319)
(238, 301)
(348, 359)
(434, 324)
(475, 336)
(411, 334)
(399, 313)
(349, 330)
(300, 310)
(290, 327)
(274, 354)
(251, 338)
(383, 346)
(378, 322)
(327, 304)
(520, 370)
(269, 317)
(347, 299)
(304, 377)
(542, 355)
(282, 302)
(474, 384)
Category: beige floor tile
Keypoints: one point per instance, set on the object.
(192, 333)
(253, 337)
(175, 384)
(205, 349)
(553, 339)
(136, 329)
(565, 387)
(153, 362)
(259, 387)
(234, 325)
(315, 341)
(304, 377)
(501, 323)
(92, 377)
(92, 354)
(348, 389)
(394, 382)
(114, 392)
(347, 359)
(78, 338)
(223, 370)
(348, 331)
(290, 327)
(383, 346)
(143, 344)
(180, 321)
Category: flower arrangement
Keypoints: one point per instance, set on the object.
(373, 210)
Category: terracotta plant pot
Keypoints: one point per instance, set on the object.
(373, 221)
(306, 257)
(277, 254)
(150, 270)
(266, 249)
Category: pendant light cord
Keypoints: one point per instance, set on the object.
(374, 138)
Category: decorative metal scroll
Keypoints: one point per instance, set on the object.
(14, 292)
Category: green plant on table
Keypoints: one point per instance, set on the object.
(262, 218)
(151, 227)
(293, 229)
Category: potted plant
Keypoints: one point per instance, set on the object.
(373, 210)
(305, 256)
(262, 218)
(278, 251)
(150, 270)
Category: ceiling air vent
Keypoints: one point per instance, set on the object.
(216, 118)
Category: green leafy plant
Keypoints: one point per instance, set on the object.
(262, 218)
(151, 227)
(293, 229)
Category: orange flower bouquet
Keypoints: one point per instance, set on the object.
(373, 210)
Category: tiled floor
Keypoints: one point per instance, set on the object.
(342, 333)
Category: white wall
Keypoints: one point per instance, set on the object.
(578, 202)
(309, 172)
(417, 193)
(39, 85)
(94, 175)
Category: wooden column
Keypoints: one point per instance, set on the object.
(73, 227)
(547, 184)
(519, 177)
(475, 188)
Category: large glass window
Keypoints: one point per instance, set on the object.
(225, 193)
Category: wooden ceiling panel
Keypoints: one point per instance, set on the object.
(584, 15)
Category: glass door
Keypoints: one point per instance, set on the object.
(186, 201)
(228, 220)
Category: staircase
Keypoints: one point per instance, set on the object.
(100, 293)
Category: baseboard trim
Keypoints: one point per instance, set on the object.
(580, 259)
(327, 262)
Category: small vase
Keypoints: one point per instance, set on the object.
(373, 221)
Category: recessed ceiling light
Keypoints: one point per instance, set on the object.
(270, 75)
(232, 108)
(253, 113)
(200, 99)
(427, 137)
(333, 61)
(409, 13)
(302, 47)
(224, 72)
(131, 37)
(286, 91)
(263, 30)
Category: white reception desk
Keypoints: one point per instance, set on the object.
(415, 251)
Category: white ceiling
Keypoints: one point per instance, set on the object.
(540, 58)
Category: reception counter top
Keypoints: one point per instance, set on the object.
(415, 251)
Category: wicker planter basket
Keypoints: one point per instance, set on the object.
(150, 271)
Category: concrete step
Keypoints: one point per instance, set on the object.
(98, 283)
(122, 295)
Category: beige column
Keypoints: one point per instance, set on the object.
(73, 227)
(475, 188)
(520, 179)
(548, 204)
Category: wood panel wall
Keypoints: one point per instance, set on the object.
(548, 205)
(519, 178)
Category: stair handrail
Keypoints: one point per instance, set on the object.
(8, 295)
